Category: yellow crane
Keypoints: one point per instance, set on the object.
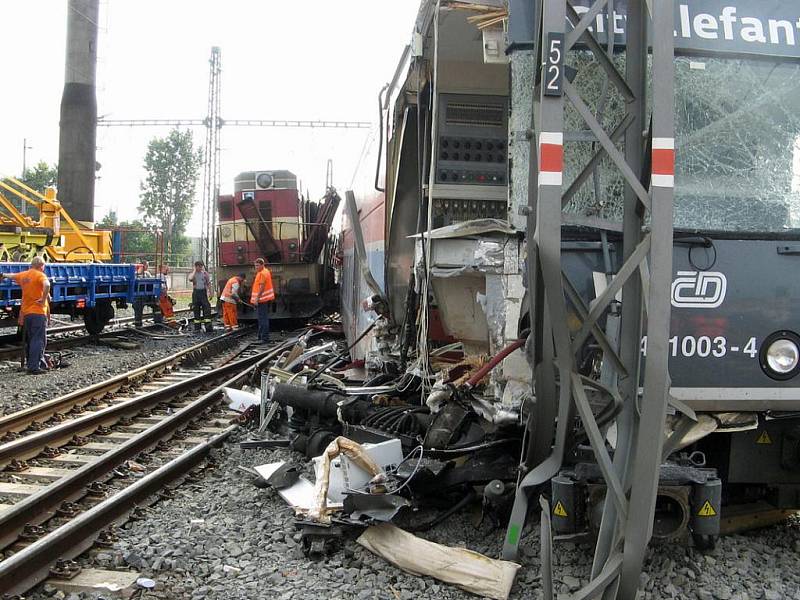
(22, 237)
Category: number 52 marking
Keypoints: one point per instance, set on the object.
(554, 65)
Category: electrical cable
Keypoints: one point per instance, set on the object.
(339, 356)
(427, 525)
(394, 472)
(459, 450)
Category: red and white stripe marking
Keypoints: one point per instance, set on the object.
(663, 169)
(551, 158)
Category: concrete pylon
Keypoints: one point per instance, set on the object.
(77, 142)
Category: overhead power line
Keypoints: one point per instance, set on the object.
(310, 124)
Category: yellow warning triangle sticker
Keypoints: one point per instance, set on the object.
(559, 510)
(764, 438)
(707, 510)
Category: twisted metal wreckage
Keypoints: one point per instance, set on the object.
(516, 245)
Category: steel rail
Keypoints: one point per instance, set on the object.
(61, 343)
(60, 435)
(81, 326)
(21, 419)
(10, 338)
(31, 565)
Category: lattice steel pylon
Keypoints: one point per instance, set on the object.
(646, 165)
(211, 167)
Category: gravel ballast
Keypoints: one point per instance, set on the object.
(224, 538)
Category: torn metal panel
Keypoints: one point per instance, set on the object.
(469, 228)
(360, 246)
(375, 507)
(463, 568)
(285, 476)
(477, 282)
(461, 312)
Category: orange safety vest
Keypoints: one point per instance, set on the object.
(228, 291)
(32, 283)
(265, 277)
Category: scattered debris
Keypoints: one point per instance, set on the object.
(252, 444)
(463, 568)
(111, 584)
(347, 474)
(300, 496)
(242, 400)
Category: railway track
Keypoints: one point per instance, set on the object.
(70, 336)
(64, 484)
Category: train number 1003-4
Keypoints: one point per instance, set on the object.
(705, 346)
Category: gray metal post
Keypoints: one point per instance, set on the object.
(647, 449)
(631, 479)
(631, 317)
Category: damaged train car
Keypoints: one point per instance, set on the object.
(568, 271)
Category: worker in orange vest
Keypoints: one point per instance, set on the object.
(230, 298)
(260, 297)
(165, 302)
(35, 293)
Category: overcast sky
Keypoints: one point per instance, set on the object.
(291, 59)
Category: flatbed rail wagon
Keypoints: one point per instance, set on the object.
(91, 290)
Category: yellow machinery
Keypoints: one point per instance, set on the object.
(22, 238)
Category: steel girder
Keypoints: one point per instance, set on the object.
(646, 165)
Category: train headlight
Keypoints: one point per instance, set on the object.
(783, 356)
(780, 355)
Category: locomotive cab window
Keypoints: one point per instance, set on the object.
(226, 210)
(265, 210)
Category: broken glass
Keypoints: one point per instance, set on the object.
(737, 131)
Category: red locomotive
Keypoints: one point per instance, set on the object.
(268, 217)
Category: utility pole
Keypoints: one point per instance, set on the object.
(25, 149)
(213, 123)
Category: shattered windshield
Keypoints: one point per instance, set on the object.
(737, 136)
(737, 130)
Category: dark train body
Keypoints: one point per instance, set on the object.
(734, 347)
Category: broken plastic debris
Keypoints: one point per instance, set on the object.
(355, 452)
(300, 495)
(146, 583)
(231, 569)
(240, 400)
(346, 474)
